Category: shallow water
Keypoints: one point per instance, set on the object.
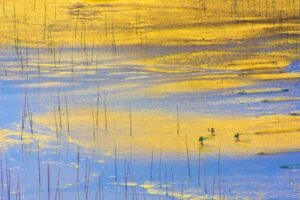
(91, 173)
(159, 74)
(157, 177)
(125, 84)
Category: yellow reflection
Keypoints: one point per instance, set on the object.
(157, 131)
